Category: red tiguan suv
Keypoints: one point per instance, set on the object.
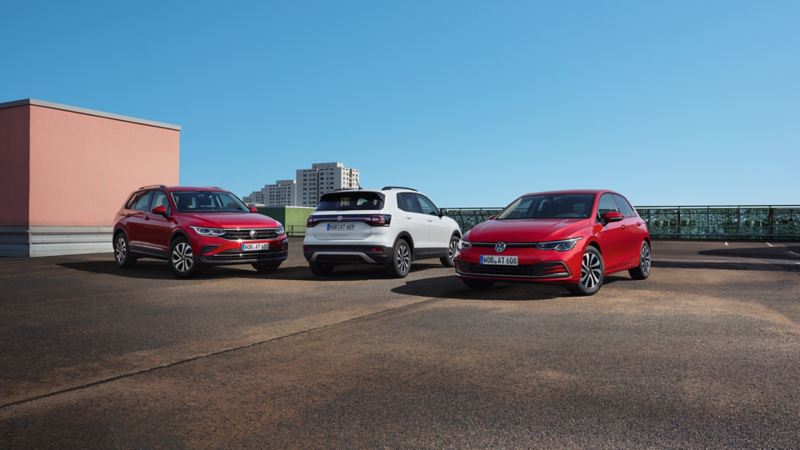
(191, 227)
(573, 238)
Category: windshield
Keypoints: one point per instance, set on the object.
(208, 201)
(351, 201)
(549, 206)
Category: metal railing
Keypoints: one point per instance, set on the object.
(741, 222)
(295, 230)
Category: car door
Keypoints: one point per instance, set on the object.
(634, 231)
(415, 222)
(438, 229)
(137, 233)
(158, 228)
(613, 237)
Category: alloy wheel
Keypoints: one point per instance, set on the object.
(403, 258)
(590, 270)
(644, 263)
(451, 252)
(182, 257)
(121, 250)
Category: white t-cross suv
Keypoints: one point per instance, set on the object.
(392, 226)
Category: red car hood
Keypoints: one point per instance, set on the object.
(231, 220)
(532, 230)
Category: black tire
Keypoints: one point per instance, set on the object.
(643, 271)
(450, 259)
(593, 271)
(321, 269)
(266, 267)
(477, 284)
(181, 259)
(400, 264)
(122, 251)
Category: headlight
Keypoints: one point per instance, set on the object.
(560, 246)
(205, 231)
(279, 231)
(463, 245)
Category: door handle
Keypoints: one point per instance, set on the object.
(408, 217)
(623, 226)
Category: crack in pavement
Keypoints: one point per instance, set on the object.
(215, 353)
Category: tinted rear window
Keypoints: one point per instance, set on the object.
(351, 201)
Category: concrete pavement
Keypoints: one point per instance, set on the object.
(705, 353)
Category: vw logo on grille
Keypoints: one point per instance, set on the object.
(500, 247)
(252, 234)
(339, 218)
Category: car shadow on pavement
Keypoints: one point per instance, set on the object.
(451, 287)
(347, 272)
(727, 266)
(158, 270)
(778, 252)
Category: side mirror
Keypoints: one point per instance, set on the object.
(492, 217)
(612, 216)
(253, 209)
(160, 210)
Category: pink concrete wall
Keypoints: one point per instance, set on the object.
(83, 167)
(14, 166)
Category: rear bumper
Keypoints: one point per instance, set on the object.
(348, 254)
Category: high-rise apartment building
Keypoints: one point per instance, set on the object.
(282, 193)
(322, 178)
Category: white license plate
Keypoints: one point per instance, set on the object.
(255, 246)
(340, 227)
(492, 260)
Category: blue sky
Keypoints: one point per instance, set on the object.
(474, 102)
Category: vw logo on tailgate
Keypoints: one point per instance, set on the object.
(500, 247)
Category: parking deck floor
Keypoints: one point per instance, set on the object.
(705, 353)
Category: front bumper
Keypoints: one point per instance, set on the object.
(348, 254)
(535, 266)
(219, 251)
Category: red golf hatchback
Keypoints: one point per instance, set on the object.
(191, 227)
(572, 238)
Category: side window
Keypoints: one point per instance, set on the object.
(427, 205)
(607, 204)
(142, 203)
(132, 201)
(624, 207)
(160, 199)
(408, 202)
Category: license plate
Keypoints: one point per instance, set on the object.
(492, 260)
(340, 227)
(255, 246)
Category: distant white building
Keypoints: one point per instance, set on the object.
(256, 198)
(322, 178)
(282, 193)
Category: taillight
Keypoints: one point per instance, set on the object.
(380, 220)
(311, 221)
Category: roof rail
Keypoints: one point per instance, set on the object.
(153, 186)
(387, 188)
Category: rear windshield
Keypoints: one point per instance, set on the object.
(207, 201)
(351, 201)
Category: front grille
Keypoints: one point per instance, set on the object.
(244, 235)
(548, 269)
(234, 255)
